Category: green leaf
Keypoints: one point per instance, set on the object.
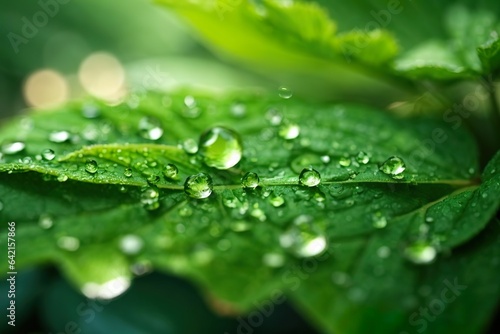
(100, 204)
(470, 49)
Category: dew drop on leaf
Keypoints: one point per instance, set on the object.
(238, 110)
(150, 128)
(48, 154)
(345, 161)
(220, 147)
(420, 252)
(127, 172)
(13, 147)
(62, 178)
(250, 180)
(289, 131)
(363, 158)
(379, 220)
(285, 92)
(68, 243)
(394, 166)
(190, 146)
(274, 116)
(131, 244)
(45, 221)
(170, 171)
(302, 238)
(309, 177)
(59, 136)
(150, 198)
(276, 200)
(198, 186)
(91, 166)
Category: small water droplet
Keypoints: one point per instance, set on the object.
(289, 131)
(13, 147)
(309, 177)
(170, 171)
(189, 101)
(190, 146)
(284, 92)
(303, 238)
(59, 136)
(127, 172)
(185, 211)
(394, 166)
(131, 244)
(91, 166)
(274, 116)
(150, 128)
(363, 158)
(62, 178)
(48, 154)
(325, 159)
(27, 160)
(220, 147)
(273, 260)
(45, 221)
(68, 243)
(238, 110)
(250, 180)
(345, 161)
(276, 200)
(198, 186)
(150, 198)
(420, 252)
(379, 220)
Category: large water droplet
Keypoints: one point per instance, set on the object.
(250, 180)
(198, 186)
(220, 147)
(309, 177)
(394, 166)
(59, 136)
(284, 92)
(289, 131)
(420, 252)
(150, 128)
(170, 171)
(13, 147)
(48, 154)
(150, 198)
(131, 244)
(91, 166)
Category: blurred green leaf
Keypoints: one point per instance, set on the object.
(101, 201)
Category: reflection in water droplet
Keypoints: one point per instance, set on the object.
(284, 92)
(91, 166)
(394, 166)
(420, 252)
(68, 243)
(250, 180)
(220, 147)
(309, 177)
(198, 186)
(274, 116)
(150, 128)
(48, 154)
(59, 136)
(289, 131)
(170, 171)
(131, 244)
(13, 147)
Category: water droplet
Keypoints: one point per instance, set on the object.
(284, 92)
(27, 160)
(150, 198)
(325, 159)
(302, 238)
(91, 166)
(131, 244)
(420, 252)
(220, 147)
(13, 147)
(191, 110)
(274, 116)
(150, 128)
(258, 213)
(45, 221)
(48, 154)
(379, 220)
(383, 252)
(345, 161)
(273, 260)
(250, 180)
(170, 171)
(189, 101)
(363, 158)
(153, 179)
(59, 136)
(238, 110)
(127, 172)
(190, 146)
(289, 131)
(68, 243)
(276, 200)
(62, 178)
(309, 177)
(198, 186)
(394, 166)
(108, 290)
